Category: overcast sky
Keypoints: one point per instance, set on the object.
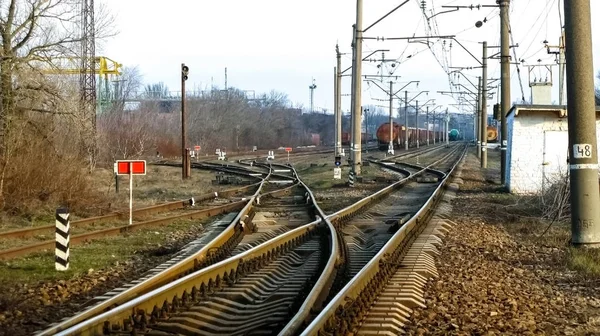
(282, 45)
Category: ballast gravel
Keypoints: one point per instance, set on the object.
(495, 283)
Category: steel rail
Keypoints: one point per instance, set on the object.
(20, 251)
(185, 267)
(317, 294)
(322, 286)
(148, 307)
(315, 297)
(351, 291)
(121, 215)
(123, 299)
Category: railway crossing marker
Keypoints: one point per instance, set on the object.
(130, 167)
(288, 150)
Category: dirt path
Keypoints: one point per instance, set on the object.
(497, 278)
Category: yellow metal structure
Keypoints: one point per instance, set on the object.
(71, 66)
(104, 68)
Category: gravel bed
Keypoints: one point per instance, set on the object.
(493, 281)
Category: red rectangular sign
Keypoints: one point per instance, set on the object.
(196, 148)
(138, 167)
(288, 149)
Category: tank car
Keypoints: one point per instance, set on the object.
(492, 134)
(383, 135)
(453, 135)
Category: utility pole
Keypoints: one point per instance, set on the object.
(338, 103)
(184, 156)
(391, 145)
(417, 122)
(335, 111)
(352, 99)
(479, 132)
(585, 197)
(405, 120)
(561, 68)
(225, 78)
(504, 84)
(484, 107)
(427, 122)
(434, 135)
(356, 74)
(446, 130)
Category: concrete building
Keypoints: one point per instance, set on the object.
(538, 144)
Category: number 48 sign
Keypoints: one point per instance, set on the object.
(582, 151)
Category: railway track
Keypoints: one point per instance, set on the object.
(280, 205)
(23, 241)
(279, 271)
(389, 249)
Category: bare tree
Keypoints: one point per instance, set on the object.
(33, 109)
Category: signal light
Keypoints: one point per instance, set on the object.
(497, 112)
(338, 161)
(184, 71)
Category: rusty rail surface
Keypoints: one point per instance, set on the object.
(208, 255)
(153, 302)
(123, 215)
(342, 309)
(321, 288)
(20, 251)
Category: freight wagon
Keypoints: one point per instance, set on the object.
(399, 135)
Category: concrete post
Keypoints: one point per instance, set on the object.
(479, 131)
(484, 108)
(356, 73)
(339, 101)
(504, 84)
(391, 145)
(583, 153)
(447, 130)
(406, 120)
(427, 122)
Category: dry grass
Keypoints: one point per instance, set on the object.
(161, 184)
(528, 219)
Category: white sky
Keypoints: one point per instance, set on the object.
(282, 45)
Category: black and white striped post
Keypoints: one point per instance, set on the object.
(351, 179)
(62, 240)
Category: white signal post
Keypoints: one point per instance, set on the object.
(288, 150)
(130, 167)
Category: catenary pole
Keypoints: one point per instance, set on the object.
(583, 152)
(504, 84)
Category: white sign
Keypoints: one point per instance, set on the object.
(271, 156)
(582, 151)
(222, 156)
(343, 153)
(504, 143)
(218, 151)
(337, 173)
